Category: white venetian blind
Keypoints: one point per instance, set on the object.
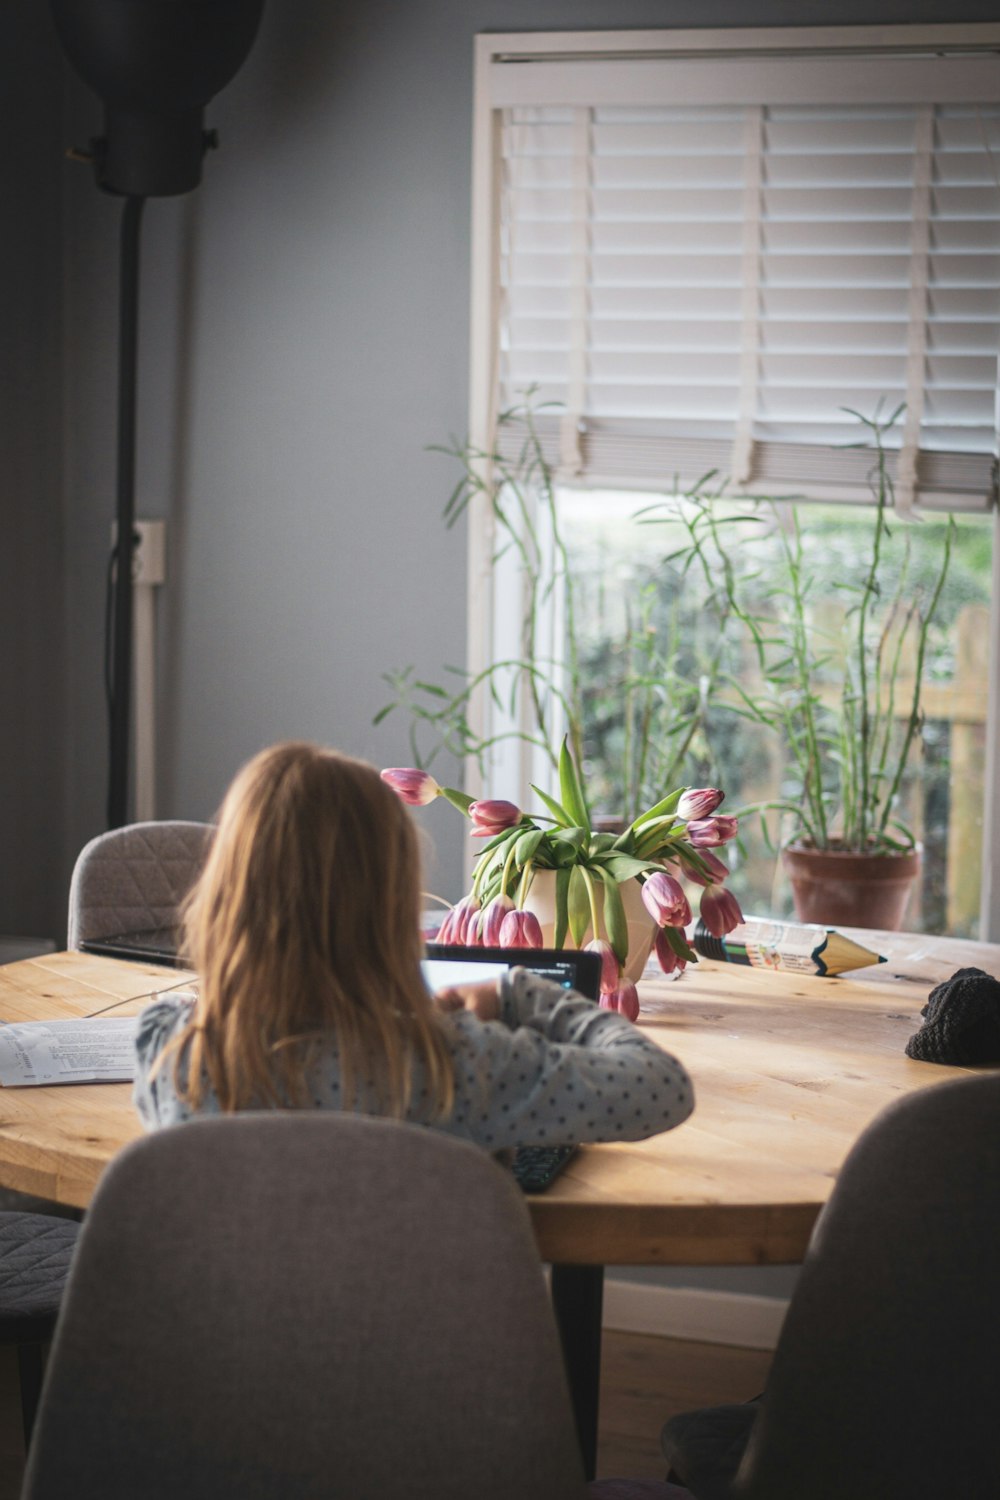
(703, 271)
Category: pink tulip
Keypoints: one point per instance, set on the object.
(665, 901)
(520, 929)
(709, 833)
(453, 928)
(627, 997)
(720, 910)
(699, 802)
(609, 1002)
(666, 957)
(492, 817)
(415, 787)
(493, 919)
(610, 968)
(717, 870)
(472, 931)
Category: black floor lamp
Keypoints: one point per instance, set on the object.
(155, 65)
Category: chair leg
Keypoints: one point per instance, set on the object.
(31, 1369)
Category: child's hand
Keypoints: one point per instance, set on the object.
(482, 999)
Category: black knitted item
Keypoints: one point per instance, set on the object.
(962, 1025)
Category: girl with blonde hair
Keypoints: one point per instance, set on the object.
(304, 929)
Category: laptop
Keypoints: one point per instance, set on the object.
(154, 946)
(534, 1167)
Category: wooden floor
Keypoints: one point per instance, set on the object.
(644, 1381)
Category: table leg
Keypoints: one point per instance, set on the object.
(577, 1296)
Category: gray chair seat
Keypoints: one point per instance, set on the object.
(35, 1255)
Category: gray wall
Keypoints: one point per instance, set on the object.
(32, 557)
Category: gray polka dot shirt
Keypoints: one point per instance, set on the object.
(554, 1069)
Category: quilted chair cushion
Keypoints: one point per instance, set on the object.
(133, 879)
(35, 1254)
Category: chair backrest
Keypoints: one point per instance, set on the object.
(280, 1306)
(886, 1380)
(133, 879)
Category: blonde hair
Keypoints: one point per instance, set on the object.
(304, 927)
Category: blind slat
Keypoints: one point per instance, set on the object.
(746, 273)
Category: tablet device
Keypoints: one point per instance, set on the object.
(452, 963)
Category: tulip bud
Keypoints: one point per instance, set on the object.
(627, 997)
(415, 787)
(472, 932)
(665, 900)
(720, 910)
(709, 833)
(699, 802)
(610, 967)
(609, 1002)
(492, 817)
(668, 960)
(453, 928)
(520, 929)
(715, 873)
(493, 919)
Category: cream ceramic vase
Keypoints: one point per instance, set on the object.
(541, 900)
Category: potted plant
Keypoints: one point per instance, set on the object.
(847, 708)
(551, 879)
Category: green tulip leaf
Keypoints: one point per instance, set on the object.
(680, 945)
(571, 788)
(575, 837)
(563, 878)
(668, 805)
(526, 847)
(578, 905)
(615, 922)
(560, 814)
(624, 867)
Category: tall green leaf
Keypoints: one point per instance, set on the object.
(562, 906)
(578, 905)
(615, 921)
(571, 788)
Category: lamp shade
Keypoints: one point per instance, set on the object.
(155, 65)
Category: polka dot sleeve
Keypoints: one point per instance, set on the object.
(556, 1068)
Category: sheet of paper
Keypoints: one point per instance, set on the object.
(96, 1049)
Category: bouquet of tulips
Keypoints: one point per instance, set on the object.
(671, 841)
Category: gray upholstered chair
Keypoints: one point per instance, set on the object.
(289, 1305)
(133, 879)
(886, 1379)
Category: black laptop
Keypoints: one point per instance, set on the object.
(156, 945)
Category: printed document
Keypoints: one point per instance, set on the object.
(95, 1049)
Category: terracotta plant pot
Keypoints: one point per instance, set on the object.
(641, 927)
(837, 888)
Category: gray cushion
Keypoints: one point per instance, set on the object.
(35, 1255)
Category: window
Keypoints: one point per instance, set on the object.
(702, 247)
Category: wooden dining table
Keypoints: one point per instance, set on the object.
(788, 1070)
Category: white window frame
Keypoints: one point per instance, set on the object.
(610, 49)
